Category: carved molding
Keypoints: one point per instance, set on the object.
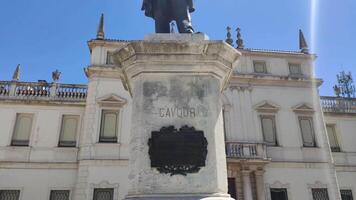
(241, 87)
(103, 185)
(111, 100)
(267, 106)
(303, 108)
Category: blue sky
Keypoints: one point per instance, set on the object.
(44, 35)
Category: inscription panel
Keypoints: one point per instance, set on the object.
(178, 152)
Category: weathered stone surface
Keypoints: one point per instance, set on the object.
(177, 83)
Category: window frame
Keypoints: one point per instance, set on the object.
(300, 73)
(22, 143)
(109, 57)
(280, 189)
(335, 135)
(274, 124)
(318, 188)
(255, 62)
(112, 190)
(348, 190)
(64, 144)
(58, 189)
(311, 118)
(13, 189)
(117, 127)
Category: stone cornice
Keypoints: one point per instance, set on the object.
(107, 71)
(177, 57)
(280, 81)
(107, 43)
(277, 53)
(42, 101)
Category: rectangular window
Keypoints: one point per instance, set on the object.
(306, 127)
(334, 145)
(59, 195)
(269, 129)
(260, 67)
(279, 194)
(9, 194)
(109, 126)
(346, 195)
(69, 129)
(295, 69)
(22, 129)
(104, 194)
(320, 194)
(109, 58)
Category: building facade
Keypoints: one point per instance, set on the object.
(283, 141)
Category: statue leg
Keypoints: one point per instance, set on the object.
(161, 15)
(180, 11)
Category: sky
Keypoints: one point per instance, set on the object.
(45, 35)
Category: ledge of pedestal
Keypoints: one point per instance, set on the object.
(177, 37)
(188, 54)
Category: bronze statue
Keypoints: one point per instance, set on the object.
(165, 11)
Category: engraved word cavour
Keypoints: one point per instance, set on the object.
(177, 145)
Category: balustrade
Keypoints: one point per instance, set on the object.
(43, 91)
(338, 104)
(72, 91)
(246, 150)
(4, 88)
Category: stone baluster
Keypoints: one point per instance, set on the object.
(260, 184)
(12, 89)
(53, 89)
(247, 184)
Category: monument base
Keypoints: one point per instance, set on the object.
(176, 82)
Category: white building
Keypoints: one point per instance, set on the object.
(67, 141)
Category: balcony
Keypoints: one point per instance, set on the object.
(43, 91)
(338, 105)
(246, 151)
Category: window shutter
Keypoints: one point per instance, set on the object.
(268, 128)
(109, 123)
(22, 131)
(260, 67)
(69, 130)
(110, 120)
(306, 127)
(295, 69)
(334, 145)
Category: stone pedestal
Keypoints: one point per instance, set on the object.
(176, 80)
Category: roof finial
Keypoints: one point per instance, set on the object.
(303, 46)
(100, 35)
(16, 75)
(56, 75)
(229, 39)
(239, 41)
